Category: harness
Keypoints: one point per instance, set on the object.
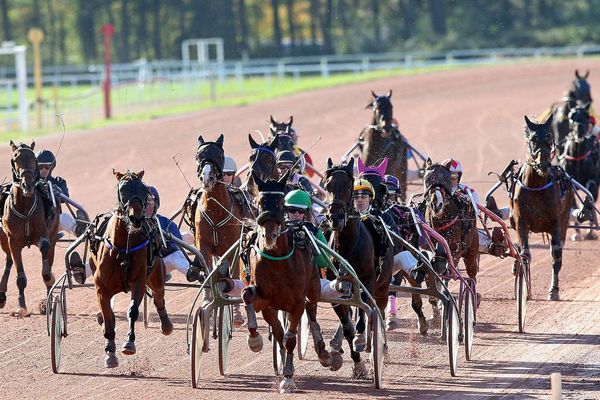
(25, 217)
(579, 158)
(219, 224)
(274, 258)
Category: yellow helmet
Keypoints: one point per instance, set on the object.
(362, 184)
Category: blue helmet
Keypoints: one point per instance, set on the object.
(154, 193)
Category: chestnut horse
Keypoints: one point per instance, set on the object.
(542, 197)
(24, 223)
(383, 139)
(452, 216)
(282, 277)
(124, 262)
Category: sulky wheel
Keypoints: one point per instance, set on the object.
(303, 333)
(469, 323)
(452, 335)
(377, 349)
(522, 293)
(56, 334)
(225, 335)
(278, 351)
(199, 343)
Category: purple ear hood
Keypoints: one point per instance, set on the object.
(373, 169)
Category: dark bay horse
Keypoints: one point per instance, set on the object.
(542, 197)
(284, 131)
(580, 157)
(452, 216)
(124, 261)
(24, 223)
(262, 163)
(383, 139)
(354, 242)
(579, 91)
(282, 277)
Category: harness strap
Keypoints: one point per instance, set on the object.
(448, 225)
(273, 258)
(537, 189)
(217, 225)
(580, 158)
(23, 216)
(126, 250)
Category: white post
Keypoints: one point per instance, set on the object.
(556, 386)
(21, 68)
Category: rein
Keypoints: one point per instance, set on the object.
(27, 216)
(448, 225)
(535, 189)
(126, 250)
(274, 258)
(579, 158)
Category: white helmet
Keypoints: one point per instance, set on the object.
(453, 166)
(229, 165)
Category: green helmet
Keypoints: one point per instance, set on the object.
(298, 198)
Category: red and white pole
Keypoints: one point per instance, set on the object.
(107, 31)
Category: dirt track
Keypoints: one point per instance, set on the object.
(474, 115)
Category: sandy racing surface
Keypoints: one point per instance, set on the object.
(474, 115)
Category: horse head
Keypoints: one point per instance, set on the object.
(580, 89)
(210, 158)
(24, 167)
(339, 183)
(262, 158)
(579, 121)
(382, 113)
(374, 174)
(540, 144)
(132, 197)
(437, 186)
(271, 194)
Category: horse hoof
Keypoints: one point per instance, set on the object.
(553, 295)
(166, 327)
(336, 361)
(238, 318)
(255, 343)
(99, 319)
(111, 360)
(42, 307)
(287, 385)
(360, 371)
(591, 236)
(128, 348)
(576, 237)
(360, 342)
(392, 323)
(423, 325)
(335, 345)
(49, 280)
(478, 299)
(2, 300)
(21, 313)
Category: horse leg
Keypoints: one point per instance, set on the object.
(7, 268)
(137, 294)
(21, 281)
(556, 249)
(111, 360)
(249, 296)
(287, 340)
(332, 359)
(417, 306)
(359, 369)
(156, 282)
(45, 250)
(472, 265)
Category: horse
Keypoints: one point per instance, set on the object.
(25, 223)
(355, 243)
(542, 197)
(580, 155)
(282, 277)
(579, 91)
(285, 132)
(452, 216)
(122, 260)
(218, 209)
(383, 139)
(262, 163)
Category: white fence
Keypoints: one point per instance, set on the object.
(144, 85)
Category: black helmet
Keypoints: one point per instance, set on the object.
(285, 157)
(154, 193)
(46, 157)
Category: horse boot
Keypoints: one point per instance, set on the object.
(77, 267)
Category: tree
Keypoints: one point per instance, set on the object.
(6, 28)
(276, 25)
(376, 22)
(314, 17)
(438, 17)
(291, 25)
(243, 23)
(86, 26)
(141, 31)
(123, 33)
(156, 42)
(326, 26)
(408, 8)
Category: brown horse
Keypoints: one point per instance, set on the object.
(383, 139)
(124, 262)
(24, 223)
(219, 209)
(542, 197)
(452, 216)
(282, 277)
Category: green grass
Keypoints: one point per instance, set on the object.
(134, 103)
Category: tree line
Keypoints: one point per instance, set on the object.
(154, 29)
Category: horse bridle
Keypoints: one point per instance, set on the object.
(346, 207)
(256, 152)
(18, 176)
(123, 206)
(531, 153)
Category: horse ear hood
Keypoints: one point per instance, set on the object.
(274, 143)
(200, 140)
(382, 167)
(548, 122)
(117, 174)
(530, 124)
(290, 121)
(219, 141)
(13, 146)
(361, 166)
(253, 144)
(140, 173)
(329, 163)
(32, 145)
(389, 94)
(350, 166)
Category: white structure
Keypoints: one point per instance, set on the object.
(9, 48)
(202, 50)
